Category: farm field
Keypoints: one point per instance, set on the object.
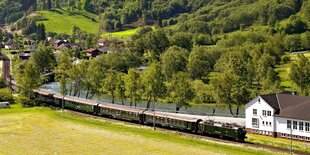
(44, 131)
(61, 21)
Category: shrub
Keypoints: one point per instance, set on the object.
(6, 95)
(24, 101)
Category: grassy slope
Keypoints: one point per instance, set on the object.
(61, 21)
(283, 71)
(122, 35)
(43, 131)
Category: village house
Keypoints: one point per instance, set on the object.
(57, 43)
(9, 45)
(103, 42)
(92, 52)
(279, 115)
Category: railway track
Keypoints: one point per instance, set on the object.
(245, 144)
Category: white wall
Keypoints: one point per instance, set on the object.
(259, 104)
(282, 126)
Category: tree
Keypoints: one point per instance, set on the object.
(40, 31)
(109, 84)
(173, 61)
(43, 58)
(152, 80)
(201, 92)
(86, 5)
(201, 62)
(183, 40)
(64, 64)
(120, 86)
(94, 75)
(300, 73)
(29, 79)
(49, 4)
(156, 42)
(230, 89)
(180, 90)
(77, 76)
(133, 86)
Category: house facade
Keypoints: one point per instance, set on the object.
(279, 115)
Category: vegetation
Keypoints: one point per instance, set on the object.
(278, 142)
(69, 131)
(61, 21)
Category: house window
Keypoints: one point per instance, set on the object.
(295, 125)
(307, 126)
(264, 123)
(264, 112)
(301, 126)
(268, 113)
(254, 122)
(269, 123)
(254, 111)
(289, 124)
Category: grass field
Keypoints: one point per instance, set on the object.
(121, 35)
(279, 142)
(61, 21)
(283, 71)
(44, 131)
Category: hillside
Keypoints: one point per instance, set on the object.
(61, 21)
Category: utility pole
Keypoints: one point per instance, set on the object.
(154, 115)
(291, 146)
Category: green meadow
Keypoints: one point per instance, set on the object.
(284, 70)
(61, 21)
(45, 131)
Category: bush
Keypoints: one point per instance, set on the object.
(6, 95)
(24, 101)
(3, 82)
(285, 59)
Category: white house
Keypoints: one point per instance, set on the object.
(279, 115)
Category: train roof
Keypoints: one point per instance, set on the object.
(189, 118)
(120, 107)
(44, 92)
(80, 100)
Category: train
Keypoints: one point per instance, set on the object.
(180, 122)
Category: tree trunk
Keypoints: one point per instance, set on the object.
(112, 93)
(122, 100)
(87, 92)
(92, 95)
(130, 102)
(214, 108)
(149, 102)
(178, 107)
(230, 109)
(70, 90)
(237, 110)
